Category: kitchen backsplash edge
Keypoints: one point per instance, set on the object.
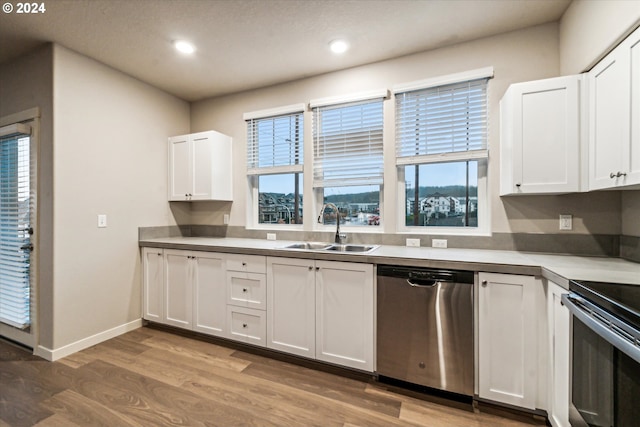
(626, 247)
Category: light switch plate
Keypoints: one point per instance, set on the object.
(439, 243)
(102, 221)
(271, 236)
(413, 243)
(225, 218)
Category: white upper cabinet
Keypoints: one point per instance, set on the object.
(200, 167)
(540, 141)
(614, 118)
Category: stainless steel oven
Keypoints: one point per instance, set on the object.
(605, 354)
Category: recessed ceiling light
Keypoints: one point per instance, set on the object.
(184, 46)
(338, 46)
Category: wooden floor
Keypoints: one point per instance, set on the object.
(149, 377)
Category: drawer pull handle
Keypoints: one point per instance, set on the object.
(484, 283)
(244, 325)
(244, 264)
(244, 289)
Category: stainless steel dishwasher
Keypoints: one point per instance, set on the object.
(425, 327)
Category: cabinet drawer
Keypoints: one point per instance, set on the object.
(247, 263)
(247, 325)
(247, 289)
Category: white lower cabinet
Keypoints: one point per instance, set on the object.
(178, 289)
(209, 302)
(344, 314)
(194, 291)
(291, 295)
(153, 284)
(559, 356)
(322, 309)
(247, 298)
(507, 339)
(247, 325)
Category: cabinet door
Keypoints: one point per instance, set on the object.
(559, 345)
(507, 337)
(209, 293)
(221, 167)
(201, 156)
(247, 325)
(180, 185)
(153, 284)
(178, 292)
(291, 295)
(344, 314)
(632, 44)
(247, 289)
(545, 136)
(211, 159)
(609, 115)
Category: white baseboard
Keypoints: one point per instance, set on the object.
(59, 353)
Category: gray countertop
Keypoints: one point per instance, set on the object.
(558, 268)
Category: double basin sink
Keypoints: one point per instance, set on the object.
(333, 247)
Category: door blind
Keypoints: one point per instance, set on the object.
(15, 210)
(442, 123)
(347, 142)
(275, 144)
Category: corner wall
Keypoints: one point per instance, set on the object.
(589, 29)
(110, 157)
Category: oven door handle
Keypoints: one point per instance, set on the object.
(600, 328)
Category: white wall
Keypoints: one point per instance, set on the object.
(110, 134)
(524, 55)
(590, 28)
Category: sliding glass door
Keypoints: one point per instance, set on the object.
(16, 207)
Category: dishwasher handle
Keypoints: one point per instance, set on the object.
(422, 283)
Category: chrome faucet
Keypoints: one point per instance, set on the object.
(340, 237)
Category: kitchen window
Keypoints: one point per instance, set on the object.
(275, 165)
(348, 158)
(441, 153)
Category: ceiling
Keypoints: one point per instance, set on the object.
(246, 44)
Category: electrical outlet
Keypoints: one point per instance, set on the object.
(566, 222)
(271, 236)
(413, 243)
(102, 221)
(439, 243)
(225, 218)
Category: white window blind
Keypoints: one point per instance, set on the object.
(275, 144)
(443, 123)
(347, 142)
(15, 209)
